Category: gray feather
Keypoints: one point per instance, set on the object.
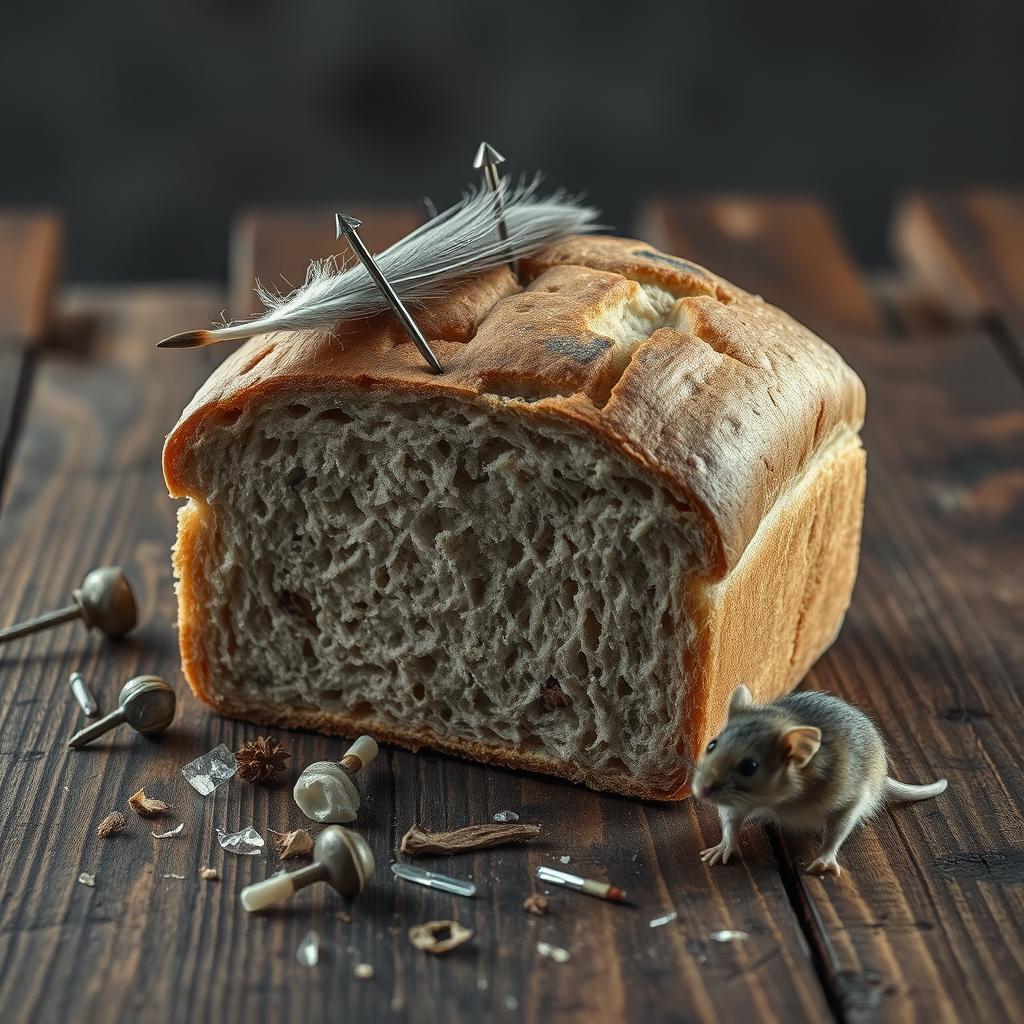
(425, 264)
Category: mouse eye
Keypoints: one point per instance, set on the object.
(747, 766)
(712, 745)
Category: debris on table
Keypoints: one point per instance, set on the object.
(180, 878)
(564, 858)
(434, 879)
(209, 875)
(176, 831)
(213, 769)
(363, 971)
(344, 916)
(111, 824)
(473, 837)
(86, 879)
(297, 843)
(657, 922)
(506, 816)
(728, 935)
(439, 936)
(308, 953)
(261, 759)
(246, 841)
(556, 953)
(146, 807)
(602, 890)
(537, 904)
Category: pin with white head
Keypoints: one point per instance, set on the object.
(327, 791)
(341, 858)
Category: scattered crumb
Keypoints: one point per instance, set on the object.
(86, 879)
(209, 874)
(728, 935)
(482, 984)
(179, 877)
(439, 936)
(111, 824)
(176, 831)
(556, 953)
(145, 807)
(363, 970)
(261, 759)
(297, 843)
(565, 859)
(344, 915)
(536, 904)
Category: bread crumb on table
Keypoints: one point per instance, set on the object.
(111, 824)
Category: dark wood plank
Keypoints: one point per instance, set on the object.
(968, 246)
(926, 921)
(30, 244)
(275, 246)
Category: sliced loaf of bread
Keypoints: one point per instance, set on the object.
(634, 487)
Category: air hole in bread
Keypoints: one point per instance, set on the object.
(297, 410)
(229, 416)
(334, 416)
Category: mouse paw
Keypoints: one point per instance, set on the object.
(825, 866)
(719, 854)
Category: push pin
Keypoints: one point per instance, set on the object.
(345, 225)
(104, 600)
(341, 858)
(146, 703)
(326, 790)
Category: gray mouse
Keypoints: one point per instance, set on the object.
(810, 761)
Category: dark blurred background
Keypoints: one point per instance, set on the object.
(151, 124)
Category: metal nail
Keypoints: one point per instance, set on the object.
(345, 225)
(146, 703)
(488, 160)
(104, 601)
(81, 692)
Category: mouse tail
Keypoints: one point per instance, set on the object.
(904, 791)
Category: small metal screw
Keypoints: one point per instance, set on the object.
(146, 703)
(341, 858)
(81, 692)
(104, 601)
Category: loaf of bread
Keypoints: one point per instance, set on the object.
(634, 487)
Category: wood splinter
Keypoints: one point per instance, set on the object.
(473, 837)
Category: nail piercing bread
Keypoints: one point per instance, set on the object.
(634, 486)
(810, 761)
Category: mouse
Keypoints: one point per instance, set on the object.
(809, 761)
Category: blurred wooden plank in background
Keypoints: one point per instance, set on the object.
(968, 248)
(927, 918)
(30, 250)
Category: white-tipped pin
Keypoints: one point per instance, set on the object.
(327, 791)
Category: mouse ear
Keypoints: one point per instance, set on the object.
(800, 744)
(739, 700)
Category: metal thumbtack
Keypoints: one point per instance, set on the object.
(326, 790)
(146, 703)
(82, 693)
(104, 600)
(341, 858)
(345, 225)
(488, 160)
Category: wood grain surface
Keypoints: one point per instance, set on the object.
(927, 918)
(924, 923)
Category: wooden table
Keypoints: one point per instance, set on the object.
(926, 923)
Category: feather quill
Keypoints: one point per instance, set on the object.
(426, 264)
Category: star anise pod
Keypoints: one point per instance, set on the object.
(261, 759)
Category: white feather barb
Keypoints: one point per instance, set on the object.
(426, 264)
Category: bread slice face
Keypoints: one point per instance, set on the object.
(634, 487)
